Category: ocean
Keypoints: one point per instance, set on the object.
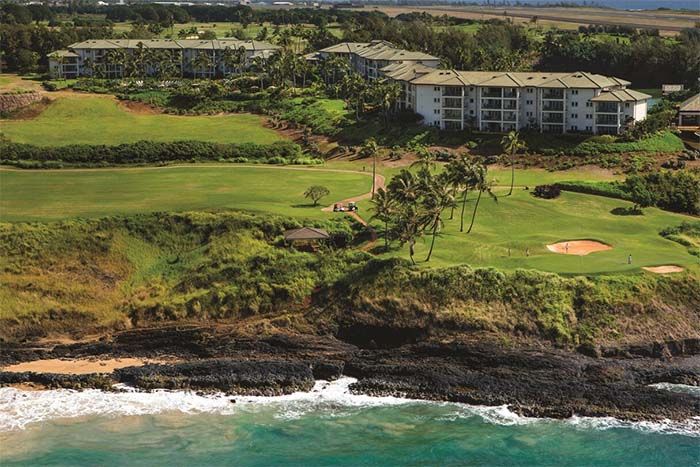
(617, 4)
(325, 427)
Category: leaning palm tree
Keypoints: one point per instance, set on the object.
(409, 227)
(384, 206)
(425, 159)
(439, 197)
(370, 148)
(511, 144)
(482, 185)
(463, 177)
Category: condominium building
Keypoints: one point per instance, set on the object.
(189, 57)
(501, 101)
(368, 58)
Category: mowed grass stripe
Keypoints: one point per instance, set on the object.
(101, 120)
(55, 195)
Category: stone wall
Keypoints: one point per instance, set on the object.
(10, 102)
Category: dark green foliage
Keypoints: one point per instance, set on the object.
(687, 234)
(148, 152)
(547, 191)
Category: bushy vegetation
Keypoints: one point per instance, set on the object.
(80, 276)
(677, 191)
(586, 146)
(149, 152)
(547, 191)
(687, 234)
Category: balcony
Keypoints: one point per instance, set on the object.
(553, 94)
(553, 106)
(452, 114)
(510, 92)
(606, 120)
(553, 118)
(452, 102)
(491, 116)
(509, 116)
(452, 91)
(549, 128)
(491, 92)
(606, 107)
(510, 104)
(491, 104)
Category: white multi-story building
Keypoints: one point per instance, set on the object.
(84, 58)
(368, 58)
(501, 101)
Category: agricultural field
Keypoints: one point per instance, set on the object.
(82, 119)
(224, 29)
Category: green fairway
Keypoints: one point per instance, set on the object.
(521, 222)
(54, 195)
(101, 120)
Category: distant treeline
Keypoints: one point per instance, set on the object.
(645, 59)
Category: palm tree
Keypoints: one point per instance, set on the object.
(384, 210)
(511, 144)
(439, 197)
(462, 176)
(409, 227)
(482, 185)
(355, 88)
(370, 148)
(386, 94)
(425, 159)
(260, 64)
(202, 62)
(404, 187)
(60, 60)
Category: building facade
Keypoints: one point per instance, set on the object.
(499, 101)
(188, 57)
(369, 58)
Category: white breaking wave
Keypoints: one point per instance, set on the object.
(19, 409)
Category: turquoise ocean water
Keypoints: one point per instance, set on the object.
(325, 427)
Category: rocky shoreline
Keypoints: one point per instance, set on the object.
(533, 381)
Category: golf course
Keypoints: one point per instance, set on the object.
(509, 233)
(90, 119)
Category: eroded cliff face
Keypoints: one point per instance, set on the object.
(11, 102)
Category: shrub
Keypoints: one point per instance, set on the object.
(147, 152)
(547, 191)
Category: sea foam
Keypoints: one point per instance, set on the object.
(19, 409)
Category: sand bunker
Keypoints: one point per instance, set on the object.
(663, 269)
(578, 247)
(75, 367)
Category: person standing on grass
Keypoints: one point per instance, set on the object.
(566, 247)
(629, 259)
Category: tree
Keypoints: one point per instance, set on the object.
(203, 63)
(511, 144)
(316, 192)
(370, 149)
(384, 210)
(385, 94)
(463, 177)
(438, 197)
(425, 158)
(640, 193)
(355, 88)
(482, 185)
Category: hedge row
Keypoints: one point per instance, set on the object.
(147, 152)
(608, 189)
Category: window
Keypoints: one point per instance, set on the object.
(471, 89)
(574, 127)
(529, 90)
(627, 105)
(471, 112)
(436, 88)
(436, 111)
(436, 100)
(589, 116)
(574, 115)
(574, 92)
(589, 104)
(528, 114)
(589, 128)
(528, 102)
(471, 101)
(574, 104)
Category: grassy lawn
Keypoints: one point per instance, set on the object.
(522, 222)
(101, 120)
(54, 195)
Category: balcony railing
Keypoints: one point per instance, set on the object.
(491, 104)
(452, 91)
(452, 114)
(553, 94)
(509, 116)
(553, 106)
(553, 118)
(510, 104)
(606, 108)
(452, 102)
(493, 116)
(510, 92)
(491, 92)
(606, 119)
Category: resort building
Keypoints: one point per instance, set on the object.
(689, 112)
(368, 58)
(501, 101)
(188, 57)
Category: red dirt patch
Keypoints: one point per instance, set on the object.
(578, 247)
(139, 107)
